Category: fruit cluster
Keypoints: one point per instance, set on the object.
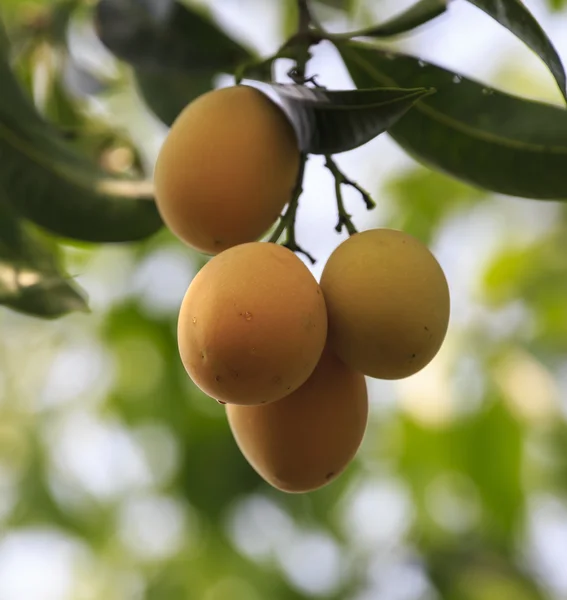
(287, 355)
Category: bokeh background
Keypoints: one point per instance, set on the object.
(119, 480)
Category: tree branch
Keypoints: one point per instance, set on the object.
(287, 220)
(342, 179)
(305, 19)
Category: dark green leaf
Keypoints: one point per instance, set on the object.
(59, 18)
(4, 44)
(60, 108)
(514, 15)
(167, 94)
(482, 136)
(30, 279)
(329, 122)
(175, 51)
(342, 5)
(165, 35)
(416, 15)
(46, 181)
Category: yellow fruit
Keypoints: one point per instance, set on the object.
(388, 303)
(252, 325)
(226, 169)
(307, 439)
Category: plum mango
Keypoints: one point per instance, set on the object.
(307, 439)
(388, 303)
(226, 169)
(252, 325)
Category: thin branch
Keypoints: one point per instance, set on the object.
(342, 179)
(287, 220)
(290, 242)
(344, 217)
(305, 37)
(299, 79)
(297, 48)
(274, 238)
(338, 174)
(260, 69)
(305, 18)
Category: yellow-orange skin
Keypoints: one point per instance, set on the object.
(307, 439)
(388, 303)
(226, 169)
(252, 325)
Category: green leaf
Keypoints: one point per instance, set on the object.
(482, 136)
(329, 122)
(4, 43)
(165, 35)
(60, 16)
(175, 51)
(288, 20)
(416, 15)
(30, 279)
(514, 16)
(46, 181)
(167, 94)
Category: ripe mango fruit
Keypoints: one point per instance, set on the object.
(307, 439)
(226, 169)
(252, 325)
(388, 303)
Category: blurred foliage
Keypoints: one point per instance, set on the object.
(106, 445)
(423, 199)
(175, 52)
(557, 4)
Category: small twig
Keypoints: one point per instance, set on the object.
(274, 238)
(344, 217)
(287, 220)
(342, 179)
(308, 34)
(303, 80)
(301, 41)
(290, 242)
(260, 68)
(337, 173)
(305, 18)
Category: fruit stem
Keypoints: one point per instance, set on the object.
(305, 19)
(308, 33)
(287, 220)
(342, 179)
(290, 242)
